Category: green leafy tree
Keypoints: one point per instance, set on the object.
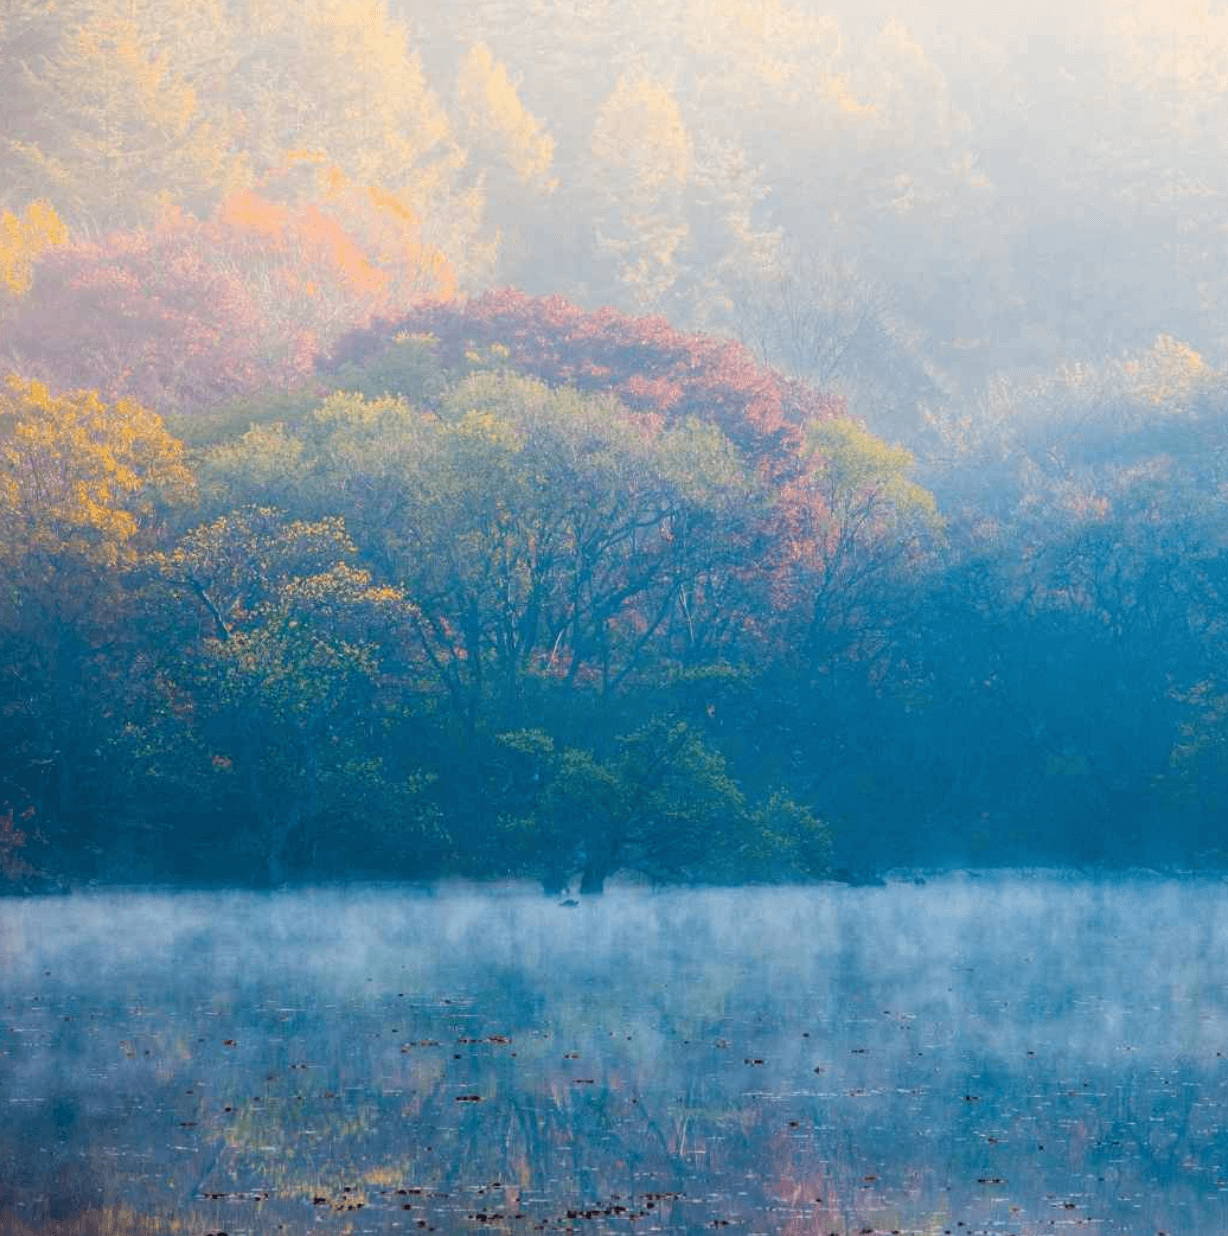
(285, 697)
(661, 802)
(549, 540)
(857, 522)
(658, 803)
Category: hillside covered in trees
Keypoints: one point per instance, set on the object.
(575, 440)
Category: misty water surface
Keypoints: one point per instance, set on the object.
(1020, 1054)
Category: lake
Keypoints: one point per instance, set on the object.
(1022, 1053)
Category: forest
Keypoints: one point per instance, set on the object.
(708, 442)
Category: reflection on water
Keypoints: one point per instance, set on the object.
(1007, 1055)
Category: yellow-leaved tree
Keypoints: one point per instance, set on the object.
(124, 134)
(857, 522)
(496, 126)
(641, 165)
(79, 480)
(752, 48)
(511, 157)
(338, 83)
(24, 238)
(1170, 374)
(83, 485)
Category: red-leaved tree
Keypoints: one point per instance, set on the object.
(197, 312)
(649, 364)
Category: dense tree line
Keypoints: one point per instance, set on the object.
(476, 623)
(547, 593)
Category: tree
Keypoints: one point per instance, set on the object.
(285, 694)
(23, 240)
(368, 237)
(127, 136)
(731, 236)
(651, 366)
(856, 520)
(512, 155)
(83, 488)
(822, 319)
(642, 157)
(495, 125)
(659, 802)
(196, 312)
(29, 33)
(145, 316)
(338, 80)
(549, 540)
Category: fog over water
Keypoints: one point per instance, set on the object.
(1012, 1053)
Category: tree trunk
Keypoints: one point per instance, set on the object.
(594, 877)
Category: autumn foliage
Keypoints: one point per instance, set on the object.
(646, 362)
(841, 510)
(471, 563)
(78, 478)
(24, 238)
(13, 866)
(192, 312)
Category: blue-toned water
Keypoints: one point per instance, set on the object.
(1019, 1054)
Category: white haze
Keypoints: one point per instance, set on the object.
(1084, 968)
(990, 1053)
